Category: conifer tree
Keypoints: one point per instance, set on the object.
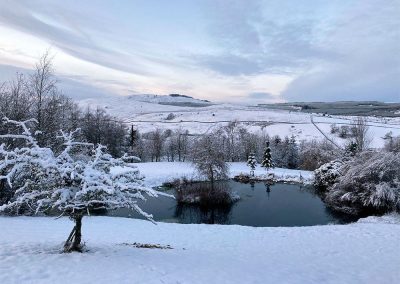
(251, 163)
(351, 149)
(267, 158)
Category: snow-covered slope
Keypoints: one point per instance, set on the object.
(363, 252)
(149, 112)
(170, 99)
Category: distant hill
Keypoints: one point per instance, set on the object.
(361, 108)
(172, 99)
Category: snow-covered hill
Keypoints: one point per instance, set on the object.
(172, 99)
(148, 112)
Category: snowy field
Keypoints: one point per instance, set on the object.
(150, 112)
(363, 252)
(159, 172)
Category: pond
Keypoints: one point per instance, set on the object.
(276, 205)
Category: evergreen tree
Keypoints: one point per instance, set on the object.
(278, 151)
(351, 149)
(267, 159)
(251, 163)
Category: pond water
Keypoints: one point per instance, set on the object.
(259, 205)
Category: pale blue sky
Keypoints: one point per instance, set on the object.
(235, 51)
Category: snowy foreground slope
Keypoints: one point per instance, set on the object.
(363, 252)
(159, 172)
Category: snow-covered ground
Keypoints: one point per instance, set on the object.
(363, 252)
(158, 173)
(148, 112)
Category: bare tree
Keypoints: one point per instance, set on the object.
(233, 132)
(155, 145)
(360, 134)
(209, 160)
(182, 144)
(42, 85)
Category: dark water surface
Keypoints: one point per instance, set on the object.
(259, 205)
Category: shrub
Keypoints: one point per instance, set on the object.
(170, 116)
(334, 129)
(326, 175)
(314, 154)
(369, 183)
(205, 195)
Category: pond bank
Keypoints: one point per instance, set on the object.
(160, 172)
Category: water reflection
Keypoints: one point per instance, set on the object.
(260, 204)
(191, 213)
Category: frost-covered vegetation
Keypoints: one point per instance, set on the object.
(235, 144)
(75, 181)
(37, 95)
(326, 175)
(366, 183)
(208, 159)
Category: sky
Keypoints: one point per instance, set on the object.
(242, 51)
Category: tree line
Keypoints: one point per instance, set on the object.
(36, 95)
(235, 144)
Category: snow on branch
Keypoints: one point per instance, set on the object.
(26, 133)
(71, 183)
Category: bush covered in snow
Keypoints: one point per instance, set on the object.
(314, 153)
(368, 183)
(392, 143)
(327, 174)
(71, 182)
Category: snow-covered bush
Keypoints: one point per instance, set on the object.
(327, 174)
(70, 182)
(314, 154)
(28, 170)
(370, 182)
(392, 144)
(170, 116)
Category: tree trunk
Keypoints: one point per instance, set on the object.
(211, 177)
(73, 242)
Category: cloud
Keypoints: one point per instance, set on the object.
(76, 87)
(230, 65)
(67, 30)
(368, 68)
(258, 36)
(261, 96)
(256, 98)
(329, 50)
